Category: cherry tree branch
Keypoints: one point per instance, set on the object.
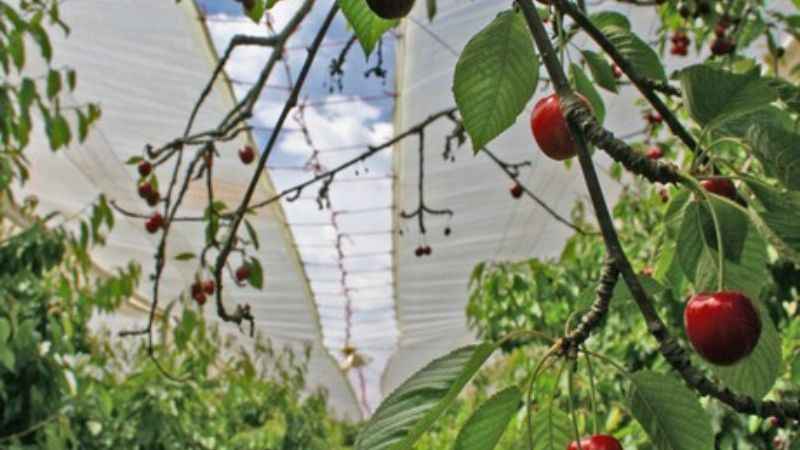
(669, 348)
(643, 84)
(242, 312)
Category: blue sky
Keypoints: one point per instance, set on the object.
(359, 114)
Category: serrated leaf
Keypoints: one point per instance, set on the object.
(368, 27)
(697, 244)
(669, 413)
(495, 77)
(601, 70)
(585, 87)
(778, 149)
(637, 52)
(413, 407)
(714, 96)
(483, 430)
(551, 429)
(780, 213)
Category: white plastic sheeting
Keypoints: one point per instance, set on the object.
(146, 61)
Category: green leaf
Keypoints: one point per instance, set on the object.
(606, 19)
(72, 79)
(185, 256)
(16, 47)
(7, 357)
(41, 38)
(495, 77)
(715, 96)
(58, 132)
(637, 52)
(5, 330)
(551, 429)
(669, 413)
(251, 232)
(368, 27)
(585, 87)
(27, 92)
(780, 214)
(413, 407)
(256, 278)
(486, 426)
(601, 70)
(430, 7)
(53, 83)
(257, 11)
(779, 151)
(697, 246)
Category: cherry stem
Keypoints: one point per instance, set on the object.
(570, 401)
(540, 368)
(593, 392)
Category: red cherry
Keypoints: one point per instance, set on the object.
(775, 422)
(419, 251)
(199, 297)
(550, 129)
(720, 29)
(597, 442)
(153, 198)
(209, 287)
(722, 46)
(654, 118)
(655, 153)
(722, 326)
(679, 49)
(720, 186)
(516, 190)
(154, 223)
(145, 168)
(145, 189)
(247, 154)
(647, 271)
(195, 288)
(777, 442)
(616, 71)
(242, 273)
(390, 9)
